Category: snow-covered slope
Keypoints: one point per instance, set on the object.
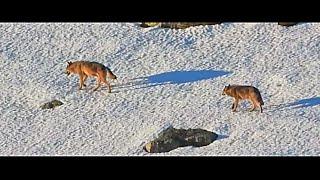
(166, 77)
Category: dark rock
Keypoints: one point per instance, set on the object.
(144, 25)
(176, 25)
(181, 25)
(172, 138)
(287, 23)
(51, 104)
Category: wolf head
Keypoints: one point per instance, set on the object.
(69, 68)
(225, 90)
(110, 74)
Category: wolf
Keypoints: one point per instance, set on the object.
(87, 68)
(239, 92)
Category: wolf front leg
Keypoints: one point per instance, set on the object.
(109, 86)
(84, 80)
(81, 81)
(253, 105)
(236, 101)
(98, 84)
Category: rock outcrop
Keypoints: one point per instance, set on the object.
(172, 138)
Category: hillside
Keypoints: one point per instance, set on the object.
(165, 77)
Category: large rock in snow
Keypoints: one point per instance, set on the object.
(287, 23)
(172, 138)
(51, 104)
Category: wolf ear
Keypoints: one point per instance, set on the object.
(69, 62)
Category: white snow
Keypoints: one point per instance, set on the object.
(166, 77)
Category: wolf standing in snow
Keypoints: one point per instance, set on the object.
(95, 69)
(244, 92)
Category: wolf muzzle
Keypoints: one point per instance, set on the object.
(115, 79)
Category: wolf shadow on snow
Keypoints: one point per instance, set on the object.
(173, 77)
(303, 103)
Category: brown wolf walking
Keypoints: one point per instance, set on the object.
(244, 92)
(87, 68)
